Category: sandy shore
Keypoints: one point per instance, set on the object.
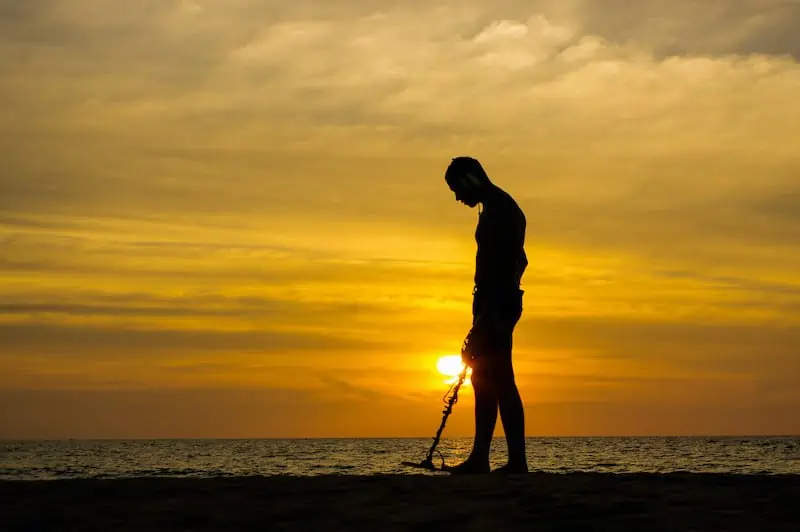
(530, 502)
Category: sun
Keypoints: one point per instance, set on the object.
(450, 366)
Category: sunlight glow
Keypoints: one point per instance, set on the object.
(449, 366)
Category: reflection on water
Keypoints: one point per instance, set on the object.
(209, 458)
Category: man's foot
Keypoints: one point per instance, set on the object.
(512, 469)
(468, 467)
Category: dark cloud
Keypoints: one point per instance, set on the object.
(722, 347)
(151, 306)
(181, 413)
(92, 342)
(781, 206)
(282, 413)
(769, 289)
(28, 309)
(343, 388)
(697, 27)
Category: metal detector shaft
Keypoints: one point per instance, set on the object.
(448, 409)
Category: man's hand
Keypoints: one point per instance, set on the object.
(470, 350)
(485, 325)
(467, 354)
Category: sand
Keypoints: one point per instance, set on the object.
(536, 501)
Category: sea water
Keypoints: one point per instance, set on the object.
(34, 460)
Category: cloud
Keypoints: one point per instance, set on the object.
(216, 95)
(86, 341)
(694, 27)
(382, 69)
(286, 413)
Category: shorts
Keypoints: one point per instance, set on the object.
(492, 336)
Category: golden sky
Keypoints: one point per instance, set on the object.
(227, 218)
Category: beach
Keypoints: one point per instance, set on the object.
(537, 501)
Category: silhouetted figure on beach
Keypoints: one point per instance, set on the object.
(496, 309)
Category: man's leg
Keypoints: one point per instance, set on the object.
(485, 411)
(485, 421)
(512, 412)
(512, 415)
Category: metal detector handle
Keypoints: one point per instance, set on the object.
(447, 411)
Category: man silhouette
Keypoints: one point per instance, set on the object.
(496, 309)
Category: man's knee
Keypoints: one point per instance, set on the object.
(480, 377)
(492, 372)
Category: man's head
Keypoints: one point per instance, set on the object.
(467, 179)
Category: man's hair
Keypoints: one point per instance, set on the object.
(466, 172)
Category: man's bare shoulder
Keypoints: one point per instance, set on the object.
(503, 205)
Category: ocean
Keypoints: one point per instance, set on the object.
(62, 459)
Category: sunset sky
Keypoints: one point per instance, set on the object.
(228, 218)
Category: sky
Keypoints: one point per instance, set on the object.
(228, 218)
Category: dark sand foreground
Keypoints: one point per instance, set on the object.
(530, 502)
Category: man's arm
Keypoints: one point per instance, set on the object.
(506, 248)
